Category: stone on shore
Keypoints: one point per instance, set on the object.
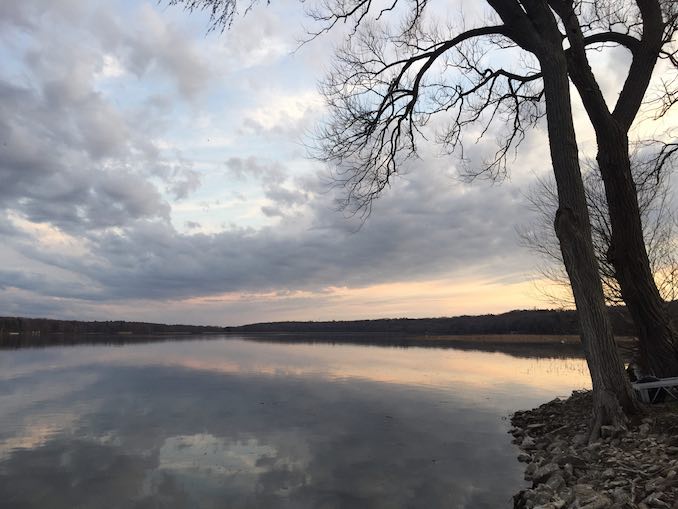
(634, 468)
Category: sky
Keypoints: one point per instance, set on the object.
(153, 171)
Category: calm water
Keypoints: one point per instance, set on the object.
(229, 423)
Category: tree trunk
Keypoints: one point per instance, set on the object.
(656, 334)
(613, 397)
(657, 337)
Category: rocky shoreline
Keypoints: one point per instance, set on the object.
(634, 468)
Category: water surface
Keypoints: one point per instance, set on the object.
(230, 423)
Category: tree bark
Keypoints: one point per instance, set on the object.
(613, 397)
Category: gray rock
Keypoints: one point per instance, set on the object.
(608, 473)
(583, 493)
(529, 471)
(556, 481)
(541, 445)
(580, 439)
(621, 497)
(619, 471)
(556, 447)
(529, 495)
(654, 500)
(599, 502)
(575, 461)
(544, 472)
(609, 431)
(558, 503)
(594, 447)
(652, 484)
(523, 457)
(669, 485)
(535, 498)
(527, 443)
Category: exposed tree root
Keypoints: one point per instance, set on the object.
(608, 411)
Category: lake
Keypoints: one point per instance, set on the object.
(233, 423)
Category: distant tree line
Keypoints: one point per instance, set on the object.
(33, 326)
(538, 321)
(513, 322)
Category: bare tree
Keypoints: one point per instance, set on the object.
(647, 29)
(390, 80)
(658, 218)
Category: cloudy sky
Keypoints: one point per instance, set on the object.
(152, 171)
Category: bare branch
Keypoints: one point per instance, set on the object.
(660, 224)
(221, 12)
(382, 93)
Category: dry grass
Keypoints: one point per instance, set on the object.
(563, 339)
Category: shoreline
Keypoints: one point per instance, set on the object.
(549, 345)
(634, 468)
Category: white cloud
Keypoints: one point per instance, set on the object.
(283, 112)
(112, 67)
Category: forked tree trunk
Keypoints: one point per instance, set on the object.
(612, 394)
(656, 334)
(657, 337)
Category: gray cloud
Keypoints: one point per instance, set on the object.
(72, 158)
(25, 14)
(425, 227)
(69, 156)
(51, 287)
(51, 167)
(283, 192)
(154, 44)
(255, 168)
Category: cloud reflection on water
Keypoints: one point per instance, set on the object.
(413, 366)
(260, 425)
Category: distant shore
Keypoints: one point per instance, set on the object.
(523, 345)
(518, 323)
(435, 339)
